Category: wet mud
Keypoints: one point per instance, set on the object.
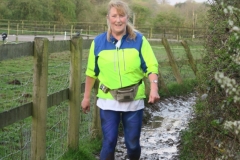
(160, 137)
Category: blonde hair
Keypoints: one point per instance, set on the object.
(121, 7)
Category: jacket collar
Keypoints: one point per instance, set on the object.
(114, 40)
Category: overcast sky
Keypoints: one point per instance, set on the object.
(173, 2)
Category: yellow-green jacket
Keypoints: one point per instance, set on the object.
(120, 67)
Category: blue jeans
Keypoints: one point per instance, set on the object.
(132, 124)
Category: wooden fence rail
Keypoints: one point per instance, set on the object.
(40, 50)
(92, 29)
(8, 51)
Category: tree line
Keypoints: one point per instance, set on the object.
(148, 12)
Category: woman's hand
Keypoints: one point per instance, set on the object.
(87, 94)
(85, 105)
(153, 96)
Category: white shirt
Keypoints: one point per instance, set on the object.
(114, 105)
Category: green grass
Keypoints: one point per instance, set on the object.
(10, 70)
(178, 52)
(21, 69)
(175, 89)
(87, 150)
(194, 145)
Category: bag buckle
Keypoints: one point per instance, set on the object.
(104, 88)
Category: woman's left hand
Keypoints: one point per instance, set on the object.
(153, 96)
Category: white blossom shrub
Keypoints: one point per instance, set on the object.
(230, 85)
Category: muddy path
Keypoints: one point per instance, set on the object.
(160, 137)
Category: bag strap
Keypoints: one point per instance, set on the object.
(105, 89)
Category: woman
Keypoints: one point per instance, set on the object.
(120, 58)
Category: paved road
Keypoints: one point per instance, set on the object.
(26, 38)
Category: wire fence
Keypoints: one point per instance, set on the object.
(54, 29)
(16, 83)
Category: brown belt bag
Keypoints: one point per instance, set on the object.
(125, 94)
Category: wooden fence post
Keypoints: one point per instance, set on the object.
(161, 83)
(150, 33)
(71, 32)
(74, 92)
(54, 27)
(178, 34)
(88, 31)
(190, 57)
(49, 28)
(35, 29)
(96, 130)
(39, 112)
(22, 26)
(17, 34)
(8, 27)
(172, 61)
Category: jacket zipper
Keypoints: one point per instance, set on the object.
(119, 68)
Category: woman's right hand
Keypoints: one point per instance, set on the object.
(85, 105)
(87, 94)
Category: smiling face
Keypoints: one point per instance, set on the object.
(117, 20)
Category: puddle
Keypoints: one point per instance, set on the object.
(160, 137)
(156, 122)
